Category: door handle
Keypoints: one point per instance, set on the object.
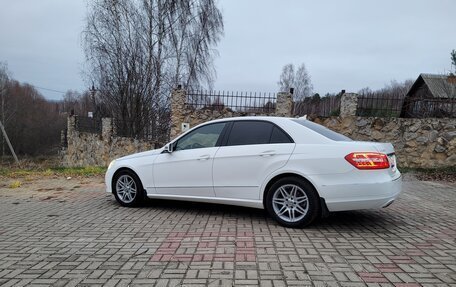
(268, 153)
(204, 157)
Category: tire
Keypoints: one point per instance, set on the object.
(127, 189)
(293, 202)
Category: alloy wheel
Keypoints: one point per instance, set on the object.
(290, 203)
(126, 188)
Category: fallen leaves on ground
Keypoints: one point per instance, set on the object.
(436, 176)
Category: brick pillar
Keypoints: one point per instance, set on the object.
(71, 128)
(71, 134)
(348, 105)
(104, 156)
(178, 97)
(107, 128)
(284, 105)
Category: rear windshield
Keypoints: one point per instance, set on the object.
(323, 131)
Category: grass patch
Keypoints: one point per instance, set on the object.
(62, 171)
(79, 171)
(15, 184)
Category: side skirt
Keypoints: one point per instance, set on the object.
(229, 201)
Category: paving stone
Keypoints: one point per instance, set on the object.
(62, 237)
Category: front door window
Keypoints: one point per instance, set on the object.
(203, 137)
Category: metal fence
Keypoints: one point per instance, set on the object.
(378, 106)
(150, 129)
(316, 106)
(88, 125)
(132, 129)
(429, 108)
(248, 102)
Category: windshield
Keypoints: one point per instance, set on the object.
(322, 130)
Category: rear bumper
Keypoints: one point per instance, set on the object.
(362, 196)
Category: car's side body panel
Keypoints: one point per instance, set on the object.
(185, 172)
(239, 171)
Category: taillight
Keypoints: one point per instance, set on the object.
(368, 160)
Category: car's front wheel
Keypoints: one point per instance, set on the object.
(127, 189)
(293, 202)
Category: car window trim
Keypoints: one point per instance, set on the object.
(224, 133)
(228, 134)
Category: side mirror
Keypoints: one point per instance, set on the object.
(169, 148)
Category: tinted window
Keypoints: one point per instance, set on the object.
(279, 136)
(323, 131)
(206, 136)
(250, 132)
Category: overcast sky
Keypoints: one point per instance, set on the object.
(344, 44)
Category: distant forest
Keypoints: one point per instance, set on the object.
(32, 122)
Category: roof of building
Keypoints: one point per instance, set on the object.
(440, 86)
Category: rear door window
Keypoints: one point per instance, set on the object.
(250, 132)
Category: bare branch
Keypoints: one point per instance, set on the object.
(139, 50)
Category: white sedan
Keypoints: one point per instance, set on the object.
(295, 169)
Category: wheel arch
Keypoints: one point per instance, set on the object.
(124, 168)
(324, 209)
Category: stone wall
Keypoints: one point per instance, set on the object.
(425, 143)
(92, 149)
(419, 143)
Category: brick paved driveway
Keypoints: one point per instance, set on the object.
(69, 233)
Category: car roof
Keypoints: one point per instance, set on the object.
(253, 118)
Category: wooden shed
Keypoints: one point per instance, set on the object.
(431, 96)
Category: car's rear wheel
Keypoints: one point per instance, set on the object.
(293, 202)
(128, 189)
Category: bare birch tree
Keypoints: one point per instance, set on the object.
(299, 80)
(138, 50)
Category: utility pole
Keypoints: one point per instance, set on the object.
(93, 92)
(8, 142)
(3, 86)
(3, 120)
